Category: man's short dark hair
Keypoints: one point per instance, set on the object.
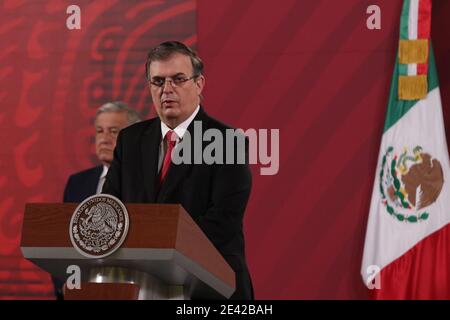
(166, 49)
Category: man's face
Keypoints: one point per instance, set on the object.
(107, 126)
(175, 103)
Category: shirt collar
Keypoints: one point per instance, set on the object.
(180, 130)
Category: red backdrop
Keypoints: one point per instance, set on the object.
(310, 68)
(52, 81)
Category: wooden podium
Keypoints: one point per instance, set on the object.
(165, 255)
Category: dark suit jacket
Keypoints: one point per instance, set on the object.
(214, 195)
(82, 184)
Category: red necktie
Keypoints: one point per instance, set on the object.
(169, 143)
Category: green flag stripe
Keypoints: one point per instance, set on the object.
(398, 108)
(403, 69)
(404, 18)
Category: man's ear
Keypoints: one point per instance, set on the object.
(200, 83)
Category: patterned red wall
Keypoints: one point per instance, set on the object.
(310, 68)
(52, 81)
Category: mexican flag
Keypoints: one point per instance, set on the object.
(407, 246)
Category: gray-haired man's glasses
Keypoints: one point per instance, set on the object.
(175, 81)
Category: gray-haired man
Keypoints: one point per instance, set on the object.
(109, 120)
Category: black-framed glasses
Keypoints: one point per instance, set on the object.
(175, 81)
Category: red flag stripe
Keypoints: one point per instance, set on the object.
(423, 25)
(422, 69)
(415, 274)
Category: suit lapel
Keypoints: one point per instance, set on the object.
(177, 173)
(150, 149)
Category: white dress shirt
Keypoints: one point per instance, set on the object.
(180, 130)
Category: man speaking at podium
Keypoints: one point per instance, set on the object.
(216, 194)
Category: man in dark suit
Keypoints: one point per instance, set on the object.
(216, 194)
(109, 120)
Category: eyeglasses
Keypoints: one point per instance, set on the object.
(175, 81)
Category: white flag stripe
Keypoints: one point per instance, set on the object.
(413, 19)
(412, 69)
(387, 238)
